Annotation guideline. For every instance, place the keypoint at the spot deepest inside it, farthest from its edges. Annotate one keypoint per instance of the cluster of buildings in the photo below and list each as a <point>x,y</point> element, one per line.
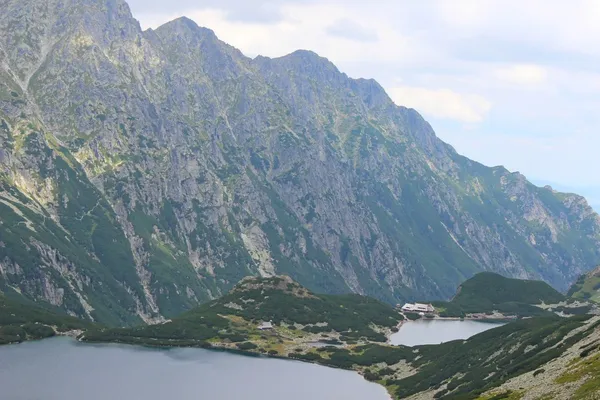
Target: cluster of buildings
<point>418,308</point>
<point>265,326</point>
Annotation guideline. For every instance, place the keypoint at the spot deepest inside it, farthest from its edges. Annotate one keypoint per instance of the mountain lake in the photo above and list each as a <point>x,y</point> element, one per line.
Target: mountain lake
<point>64,369</point>
<point>420,332</point>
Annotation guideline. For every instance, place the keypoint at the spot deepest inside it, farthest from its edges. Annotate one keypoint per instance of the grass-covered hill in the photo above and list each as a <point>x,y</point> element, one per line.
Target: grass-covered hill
<point>20,321</point>
<point>587,287</point>
<point>487,292</point>
<point>292,309</point>
<point>496,289</point>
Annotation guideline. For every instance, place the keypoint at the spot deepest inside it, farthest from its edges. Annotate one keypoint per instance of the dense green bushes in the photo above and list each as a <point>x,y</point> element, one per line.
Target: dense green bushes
<point>246,346</point>
<point>488,292</point>
<point>582,310</point>
<point>184,329</point>
<point>484,362</point>
<point>350,315</point>
<point>21,321</point>
<point>488,288</point>
<point>365,355</point>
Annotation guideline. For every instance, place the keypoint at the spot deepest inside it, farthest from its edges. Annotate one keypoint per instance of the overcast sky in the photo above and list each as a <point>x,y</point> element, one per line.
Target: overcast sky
<point>511,82</point>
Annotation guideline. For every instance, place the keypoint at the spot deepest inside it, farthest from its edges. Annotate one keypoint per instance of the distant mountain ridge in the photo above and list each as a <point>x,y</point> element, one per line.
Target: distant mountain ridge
<point>145,172</point>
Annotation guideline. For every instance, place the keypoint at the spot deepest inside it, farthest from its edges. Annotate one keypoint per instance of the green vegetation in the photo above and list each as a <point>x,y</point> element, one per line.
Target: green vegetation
<point>587,287</point>
<point>87,239</point>
<point>412,316</point>
<point>487,292</point>
<point>496,289</point>
<point>353,328</point>
<point>280,300</point>
<point>20,321</point>
<point>415,226</point>
<point>364,356</point>
<point>508,395</point>
<point>485,361</point>
<point>586,370</point>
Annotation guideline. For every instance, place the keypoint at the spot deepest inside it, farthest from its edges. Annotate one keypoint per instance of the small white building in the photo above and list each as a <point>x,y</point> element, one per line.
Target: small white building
<point>265,326</point>
<point>418,308</point>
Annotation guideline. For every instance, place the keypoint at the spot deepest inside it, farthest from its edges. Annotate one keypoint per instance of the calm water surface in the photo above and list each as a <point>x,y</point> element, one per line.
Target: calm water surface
<point>420,332</point>
<point>62,369</point>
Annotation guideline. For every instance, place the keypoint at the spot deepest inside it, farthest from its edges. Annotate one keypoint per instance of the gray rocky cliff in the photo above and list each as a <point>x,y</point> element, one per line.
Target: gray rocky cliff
<point>144,172</point>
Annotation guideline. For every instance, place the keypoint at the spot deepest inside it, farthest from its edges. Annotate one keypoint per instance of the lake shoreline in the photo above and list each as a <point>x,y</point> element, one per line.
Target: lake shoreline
<point>292,356</point>
<point>235,351</point>
<point>230,348</point>
<point>429,331</point>
<point>496,320</point>
<point>179,358</point>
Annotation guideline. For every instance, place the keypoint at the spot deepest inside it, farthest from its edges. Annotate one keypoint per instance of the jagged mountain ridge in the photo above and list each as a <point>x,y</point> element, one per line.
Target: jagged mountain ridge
<point>143,172</point>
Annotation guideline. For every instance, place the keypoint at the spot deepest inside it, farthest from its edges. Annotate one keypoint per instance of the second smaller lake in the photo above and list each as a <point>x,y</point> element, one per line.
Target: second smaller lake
<point>415,333</point>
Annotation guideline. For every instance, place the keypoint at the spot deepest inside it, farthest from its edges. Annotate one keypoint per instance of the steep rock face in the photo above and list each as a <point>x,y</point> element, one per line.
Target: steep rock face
<point>144,172</point>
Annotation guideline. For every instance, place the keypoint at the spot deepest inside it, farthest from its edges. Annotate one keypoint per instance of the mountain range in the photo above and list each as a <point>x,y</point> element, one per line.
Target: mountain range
<point>145,172</point>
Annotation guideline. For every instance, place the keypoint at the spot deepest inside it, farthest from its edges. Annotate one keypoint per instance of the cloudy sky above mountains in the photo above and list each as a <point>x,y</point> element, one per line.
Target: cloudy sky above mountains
<point>505,82</point>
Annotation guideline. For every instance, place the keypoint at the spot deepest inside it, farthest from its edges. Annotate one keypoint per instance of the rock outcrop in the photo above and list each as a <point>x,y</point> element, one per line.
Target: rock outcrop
<point>143,172</point>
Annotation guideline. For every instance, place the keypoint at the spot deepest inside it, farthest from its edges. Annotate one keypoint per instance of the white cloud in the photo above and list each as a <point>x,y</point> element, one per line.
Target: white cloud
<point>466,14</point>
<point>522,74</point>
<point>352,30</point>
<point>442,103</point>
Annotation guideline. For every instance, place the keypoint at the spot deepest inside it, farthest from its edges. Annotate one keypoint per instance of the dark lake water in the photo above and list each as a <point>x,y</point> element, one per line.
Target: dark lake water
<point>62,369</point>
<point>420,332</point>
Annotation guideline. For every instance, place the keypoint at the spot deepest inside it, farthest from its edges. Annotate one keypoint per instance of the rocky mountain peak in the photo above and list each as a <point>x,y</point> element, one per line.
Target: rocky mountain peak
<point>186,26</point>
<point>145,172</point>
<point>184,42</point>
<point>307,59</point>
<point>371,92</point>
<point>306,64</point>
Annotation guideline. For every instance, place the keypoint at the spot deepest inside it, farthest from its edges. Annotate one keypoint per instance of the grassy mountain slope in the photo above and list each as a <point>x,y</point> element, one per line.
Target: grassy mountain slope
<point>587,287</point>
<point>491,288</point>
<point>574,375</point>
<point>468,369</point>
<point>487,292</point>
<point>21,320</point>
